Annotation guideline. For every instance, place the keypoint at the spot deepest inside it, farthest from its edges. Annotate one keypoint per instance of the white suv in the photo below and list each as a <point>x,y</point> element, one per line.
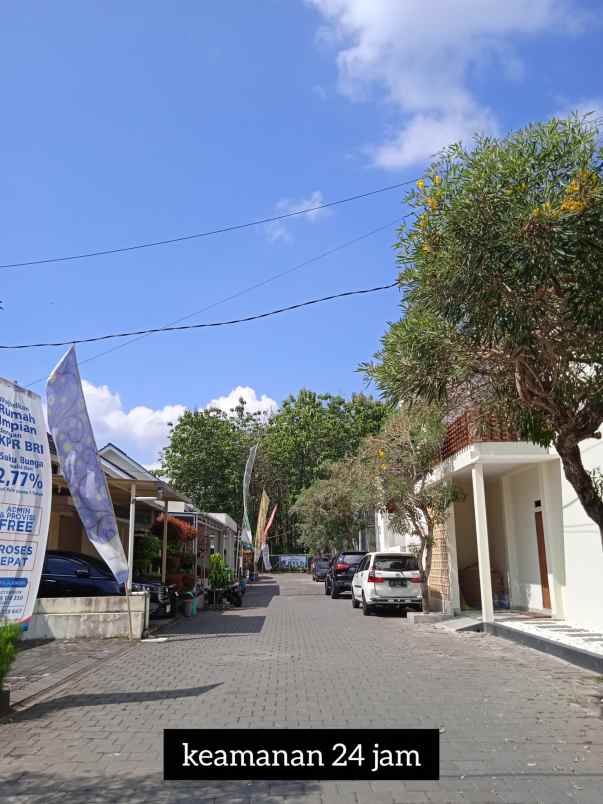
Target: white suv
<point>387,579</point>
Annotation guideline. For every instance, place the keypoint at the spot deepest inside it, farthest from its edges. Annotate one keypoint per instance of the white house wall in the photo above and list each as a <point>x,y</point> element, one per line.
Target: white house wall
<point>387,538</point>
<point>496,528</point>
<point>464,521</point>
<point>524,487</point>
<point>583,553</point>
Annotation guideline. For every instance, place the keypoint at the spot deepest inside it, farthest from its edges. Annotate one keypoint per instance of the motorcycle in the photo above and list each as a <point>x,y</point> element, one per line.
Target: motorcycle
<point>233,595</point>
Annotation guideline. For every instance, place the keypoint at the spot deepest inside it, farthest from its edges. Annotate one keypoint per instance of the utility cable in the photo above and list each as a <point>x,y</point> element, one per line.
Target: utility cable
<point>183,327</point>
<point>208,233</point>
<point>243,291</point>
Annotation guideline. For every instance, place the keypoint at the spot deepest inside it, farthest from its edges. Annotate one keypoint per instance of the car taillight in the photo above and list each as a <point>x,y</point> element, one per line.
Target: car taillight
<point>375,578</point>
<point>341,567</point>
<point>415,579</point>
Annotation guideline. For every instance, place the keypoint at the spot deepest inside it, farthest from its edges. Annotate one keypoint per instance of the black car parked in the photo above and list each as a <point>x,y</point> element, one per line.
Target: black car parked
<point>68,574</point>
<point>341,571</point>
<point>319,569</point>
<point>163,599</point>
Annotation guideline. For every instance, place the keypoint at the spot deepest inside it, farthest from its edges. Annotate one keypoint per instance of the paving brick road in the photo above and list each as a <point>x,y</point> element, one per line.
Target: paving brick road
<point>517,726</point>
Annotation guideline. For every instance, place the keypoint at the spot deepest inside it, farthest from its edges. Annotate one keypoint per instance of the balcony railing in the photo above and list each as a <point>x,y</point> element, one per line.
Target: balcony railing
<point>472,427</point>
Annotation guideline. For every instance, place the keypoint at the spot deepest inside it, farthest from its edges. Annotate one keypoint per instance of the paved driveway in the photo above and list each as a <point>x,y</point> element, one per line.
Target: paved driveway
<point>517,726</point>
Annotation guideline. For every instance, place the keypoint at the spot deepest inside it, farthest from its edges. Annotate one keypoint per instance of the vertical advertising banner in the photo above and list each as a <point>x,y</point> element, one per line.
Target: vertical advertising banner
<point>246,537</point>
<point>261,524</point>
<point>70,426</point>
<point>25,498</point>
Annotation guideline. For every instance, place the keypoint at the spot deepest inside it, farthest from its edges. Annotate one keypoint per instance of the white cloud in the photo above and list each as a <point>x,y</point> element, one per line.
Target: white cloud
<point>279,230</point>
<point>141,431</point>
<point>419,57</point>
<point>589,106</point>
<point>253,403</point>
<point>425,135</point>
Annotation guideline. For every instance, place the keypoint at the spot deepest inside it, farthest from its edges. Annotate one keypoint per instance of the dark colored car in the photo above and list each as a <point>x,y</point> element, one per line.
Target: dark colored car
<point>163,599</point>
<point>319,569</point>
<point>341,571</point>
<point>67,574</point>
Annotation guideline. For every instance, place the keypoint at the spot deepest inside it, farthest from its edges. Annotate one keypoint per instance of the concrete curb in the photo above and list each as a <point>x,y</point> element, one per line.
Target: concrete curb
<point>578,656</point>
<point>427,618</point>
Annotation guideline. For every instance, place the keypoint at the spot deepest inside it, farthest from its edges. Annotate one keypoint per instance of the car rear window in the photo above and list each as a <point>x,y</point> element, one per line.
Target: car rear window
<point>395,563</point>
<point>352,558</point>
<point>322,563</point>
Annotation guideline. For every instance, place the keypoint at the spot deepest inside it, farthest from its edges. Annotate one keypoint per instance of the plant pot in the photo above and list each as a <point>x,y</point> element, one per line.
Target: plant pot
<point>4,702</point>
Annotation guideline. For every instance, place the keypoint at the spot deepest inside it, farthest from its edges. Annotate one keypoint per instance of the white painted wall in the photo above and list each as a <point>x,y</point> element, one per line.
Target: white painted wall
<point>387,539</point>
<point>583,554</point>
<point>464,519</point>
<point>89,617</point>
<point>496,526</point>
<point>524,487</point>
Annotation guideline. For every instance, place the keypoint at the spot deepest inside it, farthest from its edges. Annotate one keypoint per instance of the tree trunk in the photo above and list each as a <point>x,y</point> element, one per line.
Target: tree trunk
<point>424,560</point>
<point>580,479</point>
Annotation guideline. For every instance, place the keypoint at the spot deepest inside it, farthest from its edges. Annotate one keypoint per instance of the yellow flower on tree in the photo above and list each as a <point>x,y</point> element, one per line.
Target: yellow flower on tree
<point>421,184</point>
<point>432,203</point>
<point>437,180</point>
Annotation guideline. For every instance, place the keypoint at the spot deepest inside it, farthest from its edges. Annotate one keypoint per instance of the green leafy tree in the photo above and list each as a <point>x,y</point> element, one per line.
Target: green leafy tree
<point>330,512</point>
<point>502,280</point>
<point>206,456</point>
<point>307,433</point>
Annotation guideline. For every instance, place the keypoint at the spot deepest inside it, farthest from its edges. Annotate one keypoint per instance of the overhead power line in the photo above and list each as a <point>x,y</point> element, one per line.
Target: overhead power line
<point>316,258</point>
<point>183,327</point>
<point>208,233</point>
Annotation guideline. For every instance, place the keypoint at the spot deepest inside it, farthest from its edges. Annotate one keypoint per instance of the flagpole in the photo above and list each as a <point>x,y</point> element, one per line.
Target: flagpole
<point>131,527</point>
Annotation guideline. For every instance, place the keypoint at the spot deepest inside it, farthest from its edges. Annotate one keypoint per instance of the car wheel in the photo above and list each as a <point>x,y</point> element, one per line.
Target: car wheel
<point>326,588</point>
<point>355,603</point>
<point>366,609</point>
<point>334,592</point>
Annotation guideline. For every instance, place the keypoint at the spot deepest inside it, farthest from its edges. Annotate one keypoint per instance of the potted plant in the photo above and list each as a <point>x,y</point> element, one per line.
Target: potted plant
<point>220,576</point>
<point>9,636</point>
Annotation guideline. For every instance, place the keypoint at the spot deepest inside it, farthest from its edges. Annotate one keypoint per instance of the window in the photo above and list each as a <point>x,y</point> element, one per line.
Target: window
<point>394,563</point>
<point>351,558</point>
<point>59,566</point>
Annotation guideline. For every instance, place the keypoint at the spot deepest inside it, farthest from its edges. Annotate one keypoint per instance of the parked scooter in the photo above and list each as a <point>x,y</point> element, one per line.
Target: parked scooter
<point>233,595</point>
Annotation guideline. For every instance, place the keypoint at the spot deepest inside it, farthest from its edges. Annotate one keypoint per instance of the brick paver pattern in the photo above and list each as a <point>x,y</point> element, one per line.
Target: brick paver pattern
<point>516,725</point>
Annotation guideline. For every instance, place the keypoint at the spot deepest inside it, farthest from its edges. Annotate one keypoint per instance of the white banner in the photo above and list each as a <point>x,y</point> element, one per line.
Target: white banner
<point>246,535</point>
<point>72,432</point>
<point>266,557</point>
<point>25,499</point>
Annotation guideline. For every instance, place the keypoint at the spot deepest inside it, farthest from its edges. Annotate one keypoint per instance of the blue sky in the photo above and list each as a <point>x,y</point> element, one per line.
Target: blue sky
<point>126,122</point>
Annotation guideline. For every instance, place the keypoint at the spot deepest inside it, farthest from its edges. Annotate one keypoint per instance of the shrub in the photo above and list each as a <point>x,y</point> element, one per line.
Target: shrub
<point>219,574</point>
<point>9,636</point>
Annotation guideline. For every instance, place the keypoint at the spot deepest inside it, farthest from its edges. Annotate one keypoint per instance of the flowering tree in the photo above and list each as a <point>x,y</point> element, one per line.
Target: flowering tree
<point>503,284</point>
<point>402,458</point>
